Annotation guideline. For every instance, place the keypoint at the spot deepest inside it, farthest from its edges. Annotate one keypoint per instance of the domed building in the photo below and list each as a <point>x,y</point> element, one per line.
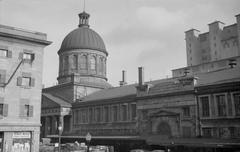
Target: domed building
<point>82,59</point>
<point>82,71</point>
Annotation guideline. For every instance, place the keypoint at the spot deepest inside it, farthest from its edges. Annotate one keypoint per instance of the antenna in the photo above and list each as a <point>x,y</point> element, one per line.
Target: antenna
<point>84,5</point>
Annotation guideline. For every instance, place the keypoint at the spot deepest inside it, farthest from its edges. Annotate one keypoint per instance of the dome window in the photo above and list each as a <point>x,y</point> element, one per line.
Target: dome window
<point>83,62</point>
<point>93,63</point>
<point>75,62</point>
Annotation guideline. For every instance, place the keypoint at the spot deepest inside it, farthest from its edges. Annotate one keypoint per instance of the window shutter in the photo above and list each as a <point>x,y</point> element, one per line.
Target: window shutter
<point>21,111</point>
<point>20,56</point>
<point>30,111</point>
<point>5,110</point>
<point>32,57</point>
<point>9,54</point>
<point>19,81</point>
<point>32,82</point>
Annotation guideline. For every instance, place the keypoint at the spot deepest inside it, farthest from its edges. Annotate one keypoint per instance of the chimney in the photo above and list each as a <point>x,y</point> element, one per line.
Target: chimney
<point>123,82</point>
<point>140,76</point>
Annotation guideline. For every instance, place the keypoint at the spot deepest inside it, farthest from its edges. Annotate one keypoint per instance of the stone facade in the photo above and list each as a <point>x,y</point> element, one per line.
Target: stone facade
<point>21,65</point>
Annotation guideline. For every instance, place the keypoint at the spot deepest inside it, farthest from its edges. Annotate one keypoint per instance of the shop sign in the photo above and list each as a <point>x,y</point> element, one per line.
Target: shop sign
<point>18,135</point>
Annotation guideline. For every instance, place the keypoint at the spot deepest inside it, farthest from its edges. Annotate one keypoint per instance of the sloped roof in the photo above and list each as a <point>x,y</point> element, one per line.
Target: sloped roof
<point>110,93</point>
<point>56,100</point>
<point>217,77</point>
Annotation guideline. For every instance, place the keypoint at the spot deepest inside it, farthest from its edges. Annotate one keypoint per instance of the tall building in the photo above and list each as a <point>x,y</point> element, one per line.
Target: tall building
<point>212,50</point>
<point>219,43</point>
<point>21,63</point>
<point>82,71</point>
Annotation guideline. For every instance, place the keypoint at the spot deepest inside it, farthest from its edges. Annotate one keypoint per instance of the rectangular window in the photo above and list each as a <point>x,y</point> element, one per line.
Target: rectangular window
<point>98,114</point>
<point>221,105</point>
<point>236,100</point>
<point>133,111</point>
<point>1,109</point>
<point>26,81</point>
<point>204,101</point>
<point>26,57</point>
<point>90,115</point>
<point>27,110</point>
<point>106,114</point>
<point>3,53</point>
<point>124,112</point>
<point>115,113</point>
<point>186,111</point>
<point>207,132</point>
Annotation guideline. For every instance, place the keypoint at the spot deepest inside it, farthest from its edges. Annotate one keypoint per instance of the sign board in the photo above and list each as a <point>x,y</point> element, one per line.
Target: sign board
<point>18,135</point>
<point>88,136</point>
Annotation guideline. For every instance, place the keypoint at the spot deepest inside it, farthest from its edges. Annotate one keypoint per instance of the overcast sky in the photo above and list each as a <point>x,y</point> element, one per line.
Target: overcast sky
<point>148,33</point>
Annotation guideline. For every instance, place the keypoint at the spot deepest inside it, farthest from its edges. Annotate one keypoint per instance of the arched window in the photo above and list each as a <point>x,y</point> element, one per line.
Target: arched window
<point>75,62</point>
<point>93,63</point>
<point>65,63</point>
<point>83,62</point>
<point>101,66</point>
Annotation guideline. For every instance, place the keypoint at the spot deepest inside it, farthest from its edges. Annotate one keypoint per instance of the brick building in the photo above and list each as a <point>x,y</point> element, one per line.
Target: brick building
<point>21,62</point>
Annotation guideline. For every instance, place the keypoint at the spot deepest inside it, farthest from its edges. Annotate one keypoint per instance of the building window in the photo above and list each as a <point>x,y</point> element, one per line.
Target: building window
<point>221,105</point>
<point>133,111</point>
<point>84,116</point>
<point>207,132</point>
<point>236,100</point>
<point>98,114</point>
<point>83,62</point>
<point>106,114</point>
<point>3,53</point>
<point>101,66</point>
<point>124,112</point>
<point>27,57</point>
<point>75,62</point>
<point>93,63</point>
<point>25,81</point>
<point>115,113</point>
<point>204,101</point>
<point>3,109</point>
<point>26,110</point>
<point>186,111</point>
<point>223,132</point>
<point>65,63</point>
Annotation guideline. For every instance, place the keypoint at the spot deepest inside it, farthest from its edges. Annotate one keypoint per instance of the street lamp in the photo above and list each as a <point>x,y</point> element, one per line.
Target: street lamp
<point>59,137</point>
<point>88,139</point>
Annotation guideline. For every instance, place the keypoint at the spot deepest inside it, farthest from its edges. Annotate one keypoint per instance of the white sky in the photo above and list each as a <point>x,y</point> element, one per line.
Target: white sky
<point>148,33</point>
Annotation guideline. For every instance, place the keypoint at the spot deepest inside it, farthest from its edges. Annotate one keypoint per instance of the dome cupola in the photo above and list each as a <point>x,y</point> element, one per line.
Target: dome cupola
<point>83,56</point>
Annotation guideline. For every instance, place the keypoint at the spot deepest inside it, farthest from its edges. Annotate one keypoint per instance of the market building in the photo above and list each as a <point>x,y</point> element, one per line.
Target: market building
<point>165,113</point>
<point>21,62</point>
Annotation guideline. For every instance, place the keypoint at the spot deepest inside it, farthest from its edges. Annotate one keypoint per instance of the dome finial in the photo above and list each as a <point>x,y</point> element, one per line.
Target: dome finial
<point>83,17</point>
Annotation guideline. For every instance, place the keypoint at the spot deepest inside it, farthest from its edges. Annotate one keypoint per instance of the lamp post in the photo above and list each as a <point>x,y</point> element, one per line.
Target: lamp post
<point>88,139</point>
<point>59,137</point>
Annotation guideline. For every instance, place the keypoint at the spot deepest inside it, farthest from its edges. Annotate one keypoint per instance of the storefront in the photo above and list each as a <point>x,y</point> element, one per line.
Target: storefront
<point>21,142</point>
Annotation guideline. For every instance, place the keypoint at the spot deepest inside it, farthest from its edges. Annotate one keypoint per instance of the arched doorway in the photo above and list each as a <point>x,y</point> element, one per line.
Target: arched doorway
<point>164,129</point>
